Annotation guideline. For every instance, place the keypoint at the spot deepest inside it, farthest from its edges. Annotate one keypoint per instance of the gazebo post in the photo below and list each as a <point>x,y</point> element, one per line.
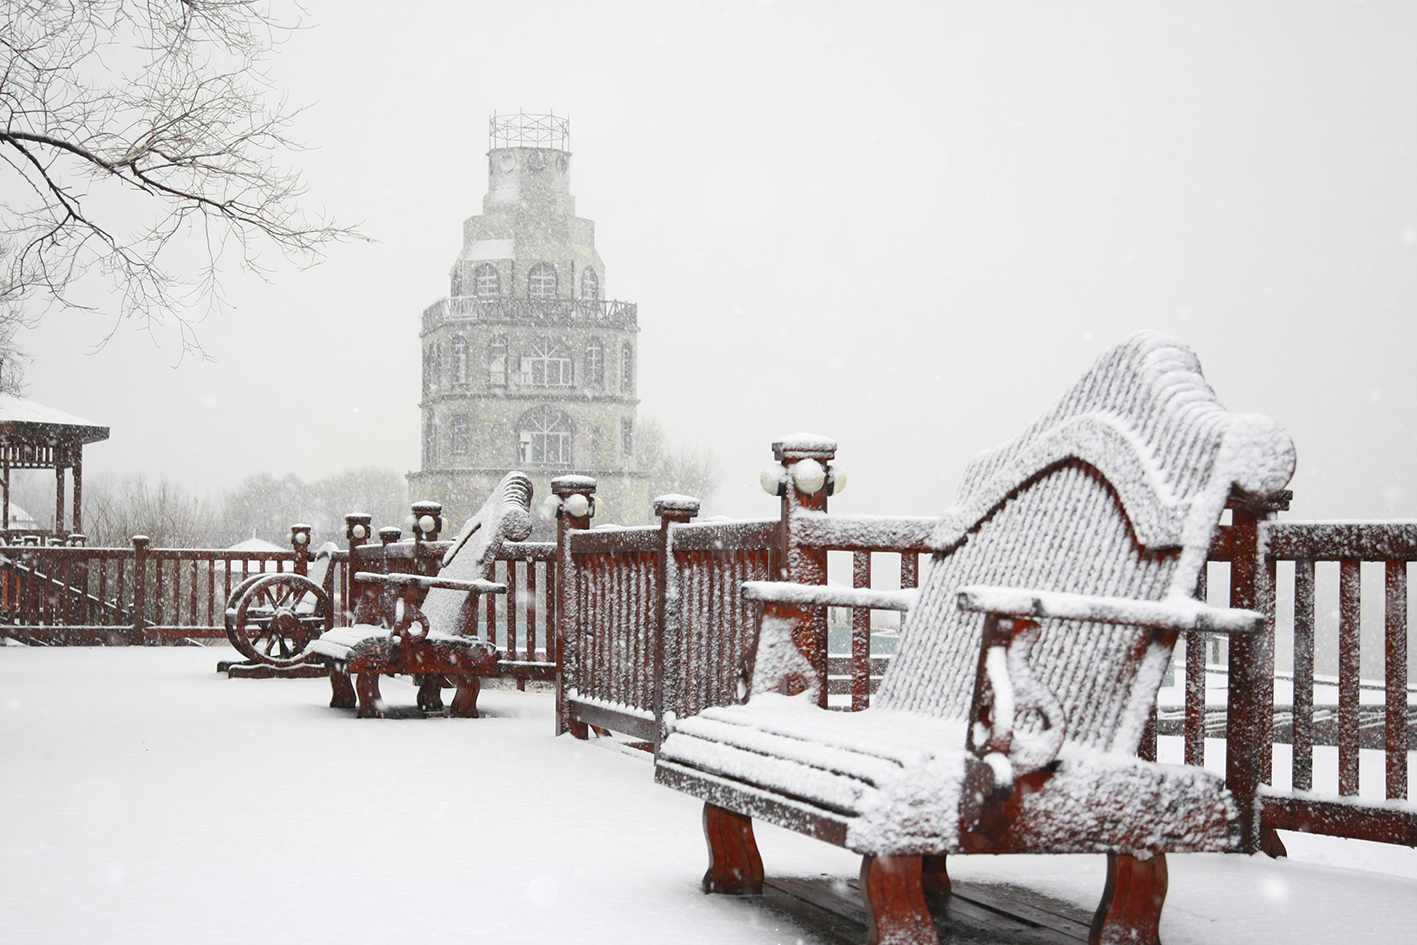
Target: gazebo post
<point>7,490</point>
<point>58,490</point>
<point>78,473</point>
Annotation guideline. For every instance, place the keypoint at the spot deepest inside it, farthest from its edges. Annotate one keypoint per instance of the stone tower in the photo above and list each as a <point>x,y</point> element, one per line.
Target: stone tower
<point>525,364</point>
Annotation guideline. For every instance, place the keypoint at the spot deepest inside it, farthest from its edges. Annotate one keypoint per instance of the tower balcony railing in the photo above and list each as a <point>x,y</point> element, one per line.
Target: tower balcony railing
<point>609,313</point>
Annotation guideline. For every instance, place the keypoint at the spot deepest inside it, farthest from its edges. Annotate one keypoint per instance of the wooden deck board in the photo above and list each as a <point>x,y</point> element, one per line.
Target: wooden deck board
<point>975,913</point>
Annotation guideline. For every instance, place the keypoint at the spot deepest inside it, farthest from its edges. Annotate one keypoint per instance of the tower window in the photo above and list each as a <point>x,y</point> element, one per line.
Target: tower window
<point>486,283</point>
<point>627,368</point>
<point>430,443</point>
<point>432,368</point>
<point>497,362</point>
<point>546,363</point>
<point>457,280</point>
<point>459,361</point>
<point>457,434</point>
<point>627,436</point>
<point>595,363</point>
<point>590,285</point>
<point>541,281</point>
<point>545,438</point>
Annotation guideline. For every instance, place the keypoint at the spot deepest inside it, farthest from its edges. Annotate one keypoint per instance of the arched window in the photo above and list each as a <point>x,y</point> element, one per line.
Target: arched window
<point>545,438</point>
<point>595,363</point>
<point>497,362</point>
<point>541,281</point>
<point>546,363</point>
<point>486,283</point>
<point>432,368</point>
<point>457,435</point>
<point>430,443</point>
<point>627,368</point>
<point>459,361</point>
<point>590,284</point>
<point>457,287</point>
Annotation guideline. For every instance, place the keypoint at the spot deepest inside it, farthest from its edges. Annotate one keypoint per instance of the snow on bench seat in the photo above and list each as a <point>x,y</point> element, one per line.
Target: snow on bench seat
<point>891,782</point>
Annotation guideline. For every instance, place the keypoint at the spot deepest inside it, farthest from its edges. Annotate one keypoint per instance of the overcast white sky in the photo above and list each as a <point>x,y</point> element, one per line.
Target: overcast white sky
<point>909,227</point>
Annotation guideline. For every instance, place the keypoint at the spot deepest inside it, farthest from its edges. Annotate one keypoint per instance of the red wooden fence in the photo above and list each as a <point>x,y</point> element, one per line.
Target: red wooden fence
<point>58,595</point>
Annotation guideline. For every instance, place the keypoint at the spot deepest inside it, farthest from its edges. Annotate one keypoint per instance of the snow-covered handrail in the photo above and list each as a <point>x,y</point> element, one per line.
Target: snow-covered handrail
<point>1179,614</point>
<point>863,532</point>
<point>424,581</point>
<point>784,592</point>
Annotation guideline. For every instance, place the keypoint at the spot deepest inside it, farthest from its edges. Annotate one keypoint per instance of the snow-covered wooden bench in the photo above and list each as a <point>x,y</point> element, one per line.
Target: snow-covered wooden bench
<point>1009,720</point>
<point>434,637</point>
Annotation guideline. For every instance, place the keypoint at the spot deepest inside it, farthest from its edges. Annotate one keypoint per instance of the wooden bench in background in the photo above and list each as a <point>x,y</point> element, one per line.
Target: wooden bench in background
<point>426,625</point>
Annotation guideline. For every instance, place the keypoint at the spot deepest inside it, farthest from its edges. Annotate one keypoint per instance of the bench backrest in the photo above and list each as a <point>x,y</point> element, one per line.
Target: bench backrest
<point>505,516</point>
<point>1118,491</point>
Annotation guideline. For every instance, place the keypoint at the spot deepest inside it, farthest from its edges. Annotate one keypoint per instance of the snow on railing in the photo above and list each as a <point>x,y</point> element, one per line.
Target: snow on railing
<point>77,594</point>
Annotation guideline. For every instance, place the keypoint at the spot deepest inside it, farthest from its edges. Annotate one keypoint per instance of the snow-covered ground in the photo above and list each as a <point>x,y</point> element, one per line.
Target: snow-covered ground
<point>144,798</point>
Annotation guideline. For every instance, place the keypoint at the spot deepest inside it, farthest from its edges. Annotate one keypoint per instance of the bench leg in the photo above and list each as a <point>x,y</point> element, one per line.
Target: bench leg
<point>735,868</point>
<point>465,699</point>
<point>896,913</point>
<point>430,694</point>
<point>371,704</point>
<point>341,688</point>
<point>934,879</point>
<point>1130,910</point>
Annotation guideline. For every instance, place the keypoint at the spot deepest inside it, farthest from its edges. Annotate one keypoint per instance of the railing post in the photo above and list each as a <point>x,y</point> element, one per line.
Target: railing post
<point>804,485</point>
<point>1249,725</point>
<point>357,531</point>
<point>300,544</point>
<point>425,522</point>
<point>140,587</point>
<point>671,510</point>
<point>573,513</point>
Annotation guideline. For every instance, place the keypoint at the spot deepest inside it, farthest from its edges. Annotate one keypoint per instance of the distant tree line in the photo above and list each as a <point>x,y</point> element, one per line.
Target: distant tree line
<point>261,506</point>
<point>173,515</point>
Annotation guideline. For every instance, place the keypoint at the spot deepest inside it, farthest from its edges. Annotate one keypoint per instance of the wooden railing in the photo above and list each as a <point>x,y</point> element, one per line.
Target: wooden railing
<point>1386,547</point>
<point>57,595</point>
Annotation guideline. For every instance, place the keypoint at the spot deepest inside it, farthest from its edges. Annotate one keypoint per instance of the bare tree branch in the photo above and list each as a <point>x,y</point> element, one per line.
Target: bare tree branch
<point>113,111</point>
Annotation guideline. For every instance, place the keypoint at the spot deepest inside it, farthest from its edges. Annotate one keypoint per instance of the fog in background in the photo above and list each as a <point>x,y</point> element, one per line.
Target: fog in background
<point>909,227</point>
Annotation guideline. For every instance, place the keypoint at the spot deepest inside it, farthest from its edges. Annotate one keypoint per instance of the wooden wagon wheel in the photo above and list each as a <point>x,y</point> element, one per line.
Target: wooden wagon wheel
<point>271,618</point>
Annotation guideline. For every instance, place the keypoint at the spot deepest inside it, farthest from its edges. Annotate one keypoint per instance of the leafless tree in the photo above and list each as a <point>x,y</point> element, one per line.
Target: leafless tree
<point>265,506</point>
<point>673,468</point>
<point>158,111</point>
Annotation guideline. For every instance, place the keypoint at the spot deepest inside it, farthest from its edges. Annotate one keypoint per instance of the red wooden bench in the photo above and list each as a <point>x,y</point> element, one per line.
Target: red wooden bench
<point>1009,720</point>
<point>424,625</point>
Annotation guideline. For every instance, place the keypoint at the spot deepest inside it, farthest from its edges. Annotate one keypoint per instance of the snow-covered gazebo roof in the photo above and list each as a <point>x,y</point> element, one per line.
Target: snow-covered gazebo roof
<point>22,419</point>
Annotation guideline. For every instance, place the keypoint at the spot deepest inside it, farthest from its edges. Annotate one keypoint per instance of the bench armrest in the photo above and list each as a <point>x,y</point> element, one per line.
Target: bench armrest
<point>419,580</point>
<point>784,592</point>
<point>1180,614</point>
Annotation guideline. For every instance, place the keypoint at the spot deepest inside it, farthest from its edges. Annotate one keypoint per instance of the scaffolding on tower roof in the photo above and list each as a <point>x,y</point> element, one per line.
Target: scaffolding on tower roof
<point>525,130</point>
